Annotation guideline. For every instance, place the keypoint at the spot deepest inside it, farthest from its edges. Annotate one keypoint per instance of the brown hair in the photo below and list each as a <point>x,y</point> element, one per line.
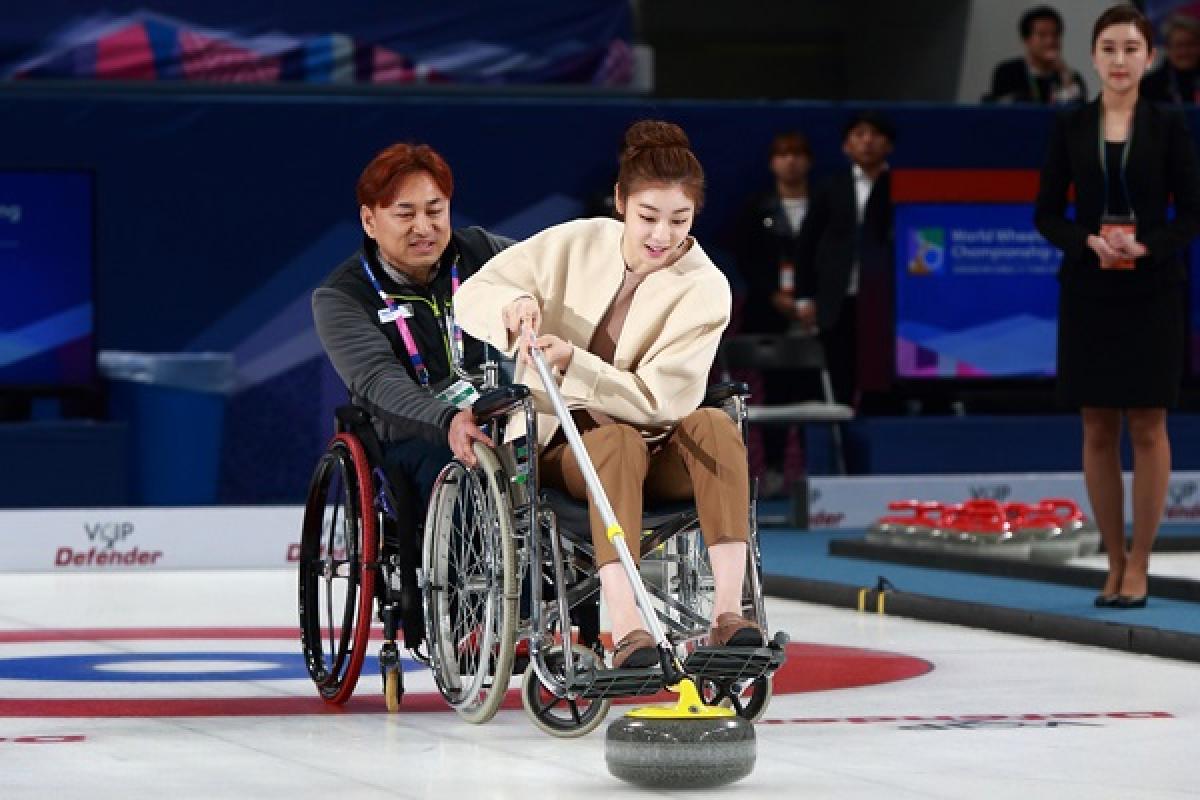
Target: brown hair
<point>791,142</point>
<point>1124,15</point>
<point>379,182</point>
<point>1025,26</point>
<point>659,152</point>
<point>1180,22</point>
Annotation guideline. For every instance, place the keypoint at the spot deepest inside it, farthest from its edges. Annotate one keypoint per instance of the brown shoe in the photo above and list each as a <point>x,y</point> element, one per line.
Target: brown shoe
<point>635,650</point>
<point>733,630</point>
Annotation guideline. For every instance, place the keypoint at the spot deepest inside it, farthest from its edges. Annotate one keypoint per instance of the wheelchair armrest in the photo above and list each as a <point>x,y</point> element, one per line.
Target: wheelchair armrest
<point>499,402</point>
<point>356,421</point>
<point>350,417</point>
<point>718,393</point>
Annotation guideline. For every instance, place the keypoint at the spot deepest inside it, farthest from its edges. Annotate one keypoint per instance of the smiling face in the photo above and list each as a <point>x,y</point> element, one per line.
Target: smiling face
<point>658,219</point>
<point>414,230</point>
<point>1120,57</point>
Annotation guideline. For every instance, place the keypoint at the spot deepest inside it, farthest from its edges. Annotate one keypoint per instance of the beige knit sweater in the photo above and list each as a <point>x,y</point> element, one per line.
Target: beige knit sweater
<point>661,365</point>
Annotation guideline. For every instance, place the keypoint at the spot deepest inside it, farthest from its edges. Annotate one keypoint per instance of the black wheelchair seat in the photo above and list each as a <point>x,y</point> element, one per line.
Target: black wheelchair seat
<point>574,524</point>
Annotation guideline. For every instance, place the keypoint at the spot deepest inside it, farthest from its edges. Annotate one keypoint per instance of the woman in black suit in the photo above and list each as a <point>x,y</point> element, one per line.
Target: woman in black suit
<point>1121,307</point>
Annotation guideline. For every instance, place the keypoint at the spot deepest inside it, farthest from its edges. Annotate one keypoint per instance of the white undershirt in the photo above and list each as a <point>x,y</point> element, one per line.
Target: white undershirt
<point>862,192</point>
<point>795,208</point>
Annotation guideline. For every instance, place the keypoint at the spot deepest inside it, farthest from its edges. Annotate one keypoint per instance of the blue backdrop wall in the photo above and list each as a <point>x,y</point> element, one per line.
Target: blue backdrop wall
<point>217,214</point>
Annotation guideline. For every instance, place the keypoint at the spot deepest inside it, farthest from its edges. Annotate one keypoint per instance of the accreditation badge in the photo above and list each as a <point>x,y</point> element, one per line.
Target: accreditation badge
<point>387,315</point>
<point>1110,224</point>
<point>460,394</point>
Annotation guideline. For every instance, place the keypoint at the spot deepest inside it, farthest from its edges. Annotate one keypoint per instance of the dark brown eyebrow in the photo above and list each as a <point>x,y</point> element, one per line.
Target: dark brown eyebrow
<point>1127,40</point>
<point>649,207</point>
<point>414,205</point>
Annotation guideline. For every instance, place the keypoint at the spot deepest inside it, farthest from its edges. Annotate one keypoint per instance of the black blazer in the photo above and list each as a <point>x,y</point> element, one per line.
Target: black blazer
<point>830,238</point>
<point>1011,83</point>
<point>1168,85</point>
<point>762,240</point>
<point>1161,164</point>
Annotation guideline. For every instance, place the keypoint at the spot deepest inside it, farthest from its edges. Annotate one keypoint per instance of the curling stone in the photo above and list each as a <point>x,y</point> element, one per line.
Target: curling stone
<point>690,745</point>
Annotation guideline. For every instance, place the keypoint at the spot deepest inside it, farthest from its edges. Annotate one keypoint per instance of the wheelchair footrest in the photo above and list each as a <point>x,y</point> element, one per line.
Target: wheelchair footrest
<point>595,684</point>
<point>733,663</point>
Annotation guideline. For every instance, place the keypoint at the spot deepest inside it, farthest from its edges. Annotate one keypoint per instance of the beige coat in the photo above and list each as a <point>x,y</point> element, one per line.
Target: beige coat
<point>666,349</point>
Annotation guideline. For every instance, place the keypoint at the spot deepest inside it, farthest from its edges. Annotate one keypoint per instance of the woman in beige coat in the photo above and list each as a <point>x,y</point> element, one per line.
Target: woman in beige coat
<point>629,315</point>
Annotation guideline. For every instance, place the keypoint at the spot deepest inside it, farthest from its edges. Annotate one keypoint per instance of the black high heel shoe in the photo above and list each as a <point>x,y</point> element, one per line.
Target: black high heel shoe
<point>1129,601</point>
<point>1106,600</point>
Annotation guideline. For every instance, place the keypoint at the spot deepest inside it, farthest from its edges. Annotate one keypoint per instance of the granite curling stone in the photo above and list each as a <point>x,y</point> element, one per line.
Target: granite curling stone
<point>680,753</point>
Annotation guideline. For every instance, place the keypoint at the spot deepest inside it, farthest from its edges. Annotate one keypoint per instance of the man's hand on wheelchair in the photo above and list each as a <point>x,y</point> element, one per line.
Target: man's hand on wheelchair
<point>464,431</point>
<point>522,312</point>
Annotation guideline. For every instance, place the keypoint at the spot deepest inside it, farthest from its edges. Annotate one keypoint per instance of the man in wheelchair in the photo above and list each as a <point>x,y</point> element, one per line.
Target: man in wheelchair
<point>630,313</point>
<point>385,314</point>
<point>385,317</point>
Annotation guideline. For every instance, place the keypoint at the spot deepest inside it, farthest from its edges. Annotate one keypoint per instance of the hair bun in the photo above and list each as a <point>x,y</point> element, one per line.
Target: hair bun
<point>659,153</point>
<point>650,133</point>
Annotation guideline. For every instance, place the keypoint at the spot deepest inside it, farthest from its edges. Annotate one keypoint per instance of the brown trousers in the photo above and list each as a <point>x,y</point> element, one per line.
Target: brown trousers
<point>704,457</point>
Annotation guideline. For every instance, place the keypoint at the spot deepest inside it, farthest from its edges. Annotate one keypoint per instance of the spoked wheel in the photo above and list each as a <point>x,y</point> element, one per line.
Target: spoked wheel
<point>338,547</point>
<point>471,586</point>
<point>561,716</point>
<point>748,699</point>
<point>695,586</point>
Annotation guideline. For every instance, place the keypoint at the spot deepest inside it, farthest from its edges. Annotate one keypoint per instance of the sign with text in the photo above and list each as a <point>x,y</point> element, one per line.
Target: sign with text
<point>976,292</point>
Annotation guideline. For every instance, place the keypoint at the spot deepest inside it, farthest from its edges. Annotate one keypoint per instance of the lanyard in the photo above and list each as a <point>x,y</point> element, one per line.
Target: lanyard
<point>451,323</point>
<point>1035,88</point>
<point>394,313</point>
<point>1124,161</point>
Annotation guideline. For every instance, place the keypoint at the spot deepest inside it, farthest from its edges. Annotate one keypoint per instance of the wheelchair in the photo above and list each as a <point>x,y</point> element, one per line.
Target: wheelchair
<point>505,582</point>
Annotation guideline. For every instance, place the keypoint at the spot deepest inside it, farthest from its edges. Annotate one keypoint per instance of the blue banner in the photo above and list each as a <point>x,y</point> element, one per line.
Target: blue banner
<point>1159,10</point>
<point>46,266</point>
<point>976,292</point>
<point>473,42</point>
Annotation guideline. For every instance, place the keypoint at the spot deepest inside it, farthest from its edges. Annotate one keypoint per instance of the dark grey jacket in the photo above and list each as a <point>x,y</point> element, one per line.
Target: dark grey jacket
<point>370,356</point>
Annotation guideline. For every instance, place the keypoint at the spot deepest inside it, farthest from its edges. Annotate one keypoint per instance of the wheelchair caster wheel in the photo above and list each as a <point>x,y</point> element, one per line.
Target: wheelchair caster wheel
<point>393,675</point>
<point>748,699</point>
<point>393,690</point>
<point>563,717</point>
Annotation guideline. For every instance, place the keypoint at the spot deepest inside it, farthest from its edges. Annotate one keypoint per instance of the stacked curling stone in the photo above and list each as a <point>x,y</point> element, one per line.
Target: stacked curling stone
<point>915,524</point>
<point>1053,530</point>
<point>981,528</point>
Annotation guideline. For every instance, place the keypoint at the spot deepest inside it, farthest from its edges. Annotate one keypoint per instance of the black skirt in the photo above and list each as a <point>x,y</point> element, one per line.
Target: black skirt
<point>1121,351</point>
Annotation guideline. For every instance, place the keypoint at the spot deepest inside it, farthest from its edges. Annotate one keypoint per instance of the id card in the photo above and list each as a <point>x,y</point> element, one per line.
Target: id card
<point>1109,225</point>
<point>460,394</point>
<point>387,315</point>
<point>787,277</point>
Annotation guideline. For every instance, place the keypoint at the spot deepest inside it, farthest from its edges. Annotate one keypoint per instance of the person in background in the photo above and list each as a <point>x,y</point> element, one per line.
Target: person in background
<point>1121,304</point>
<point>767,235</point>
<point>1041,75</point>
<point>765,243</point>
<point>1175,80</point>
<point>846,237</point>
